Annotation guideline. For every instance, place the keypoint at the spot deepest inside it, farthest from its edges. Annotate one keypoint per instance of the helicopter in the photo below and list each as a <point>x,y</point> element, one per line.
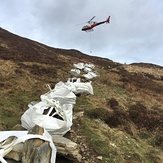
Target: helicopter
<point>92,24</point>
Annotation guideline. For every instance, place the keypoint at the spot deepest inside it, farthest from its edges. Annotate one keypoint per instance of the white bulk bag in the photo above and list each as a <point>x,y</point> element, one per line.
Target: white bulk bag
<point>79,65</point>
<point>87,69</point>
<point>46,114</point>
<point>92,66</point>
<point>90,75</point>
<point>61,93</point>
<point>80,87</point>
<point>74,72</point>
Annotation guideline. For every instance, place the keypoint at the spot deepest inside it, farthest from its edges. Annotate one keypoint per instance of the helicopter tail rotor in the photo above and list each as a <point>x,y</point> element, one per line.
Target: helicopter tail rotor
<point>108,20</point>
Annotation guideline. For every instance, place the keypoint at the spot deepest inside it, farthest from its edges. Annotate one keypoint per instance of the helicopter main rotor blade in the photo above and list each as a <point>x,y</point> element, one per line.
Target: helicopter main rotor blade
<point>86,22</point>
<point>91,19</point>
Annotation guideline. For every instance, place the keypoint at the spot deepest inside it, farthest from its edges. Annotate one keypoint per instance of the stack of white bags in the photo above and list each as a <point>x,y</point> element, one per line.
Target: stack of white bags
<point>55,110</point>
<point>86,68</point>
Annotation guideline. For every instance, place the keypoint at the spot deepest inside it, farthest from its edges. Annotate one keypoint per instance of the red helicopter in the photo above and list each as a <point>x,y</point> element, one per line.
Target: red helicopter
<point>92,24</point>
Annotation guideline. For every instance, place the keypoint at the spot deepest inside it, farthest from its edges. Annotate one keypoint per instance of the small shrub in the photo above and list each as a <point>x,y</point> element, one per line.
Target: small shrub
<point>118,117</point>
<point>153,156</point>
<point>111,118</point>
<point>138,114</point>
<point>98,113</point>
<point>145,118</point>
<point>144,134</point>
<point>159,140</point>
<point>113,103</point>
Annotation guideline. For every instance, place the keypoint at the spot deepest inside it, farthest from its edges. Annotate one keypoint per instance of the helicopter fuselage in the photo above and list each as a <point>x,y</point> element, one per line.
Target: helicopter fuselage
<point>91,25</point>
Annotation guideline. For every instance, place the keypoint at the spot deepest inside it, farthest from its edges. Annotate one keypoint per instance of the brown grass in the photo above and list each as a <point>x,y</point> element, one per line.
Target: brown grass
<point>128,99</point>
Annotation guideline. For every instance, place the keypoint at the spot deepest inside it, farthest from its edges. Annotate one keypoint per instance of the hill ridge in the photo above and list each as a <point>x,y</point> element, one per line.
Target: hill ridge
<point>124,117</point>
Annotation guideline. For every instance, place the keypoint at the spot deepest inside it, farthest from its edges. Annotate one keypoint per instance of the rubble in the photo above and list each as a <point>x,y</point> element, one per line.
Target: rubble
<point>39,151</point>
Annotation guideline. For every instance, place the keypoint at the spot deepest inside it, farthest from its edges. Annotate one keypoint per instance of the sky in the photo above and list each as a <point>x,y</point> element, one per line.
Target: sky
<point>134,34</point>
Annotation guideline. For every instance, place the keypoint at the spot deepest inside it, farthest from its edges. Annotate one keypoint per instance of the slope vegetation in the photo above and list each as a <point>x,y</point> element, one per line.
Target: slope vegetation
<point>122,122</point>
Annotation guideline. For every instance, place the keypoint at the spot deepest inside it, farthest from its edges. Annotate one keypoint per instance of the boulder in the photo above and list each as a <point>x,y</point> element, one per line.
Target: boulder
<point>36,150</point>
<point>16,153</point>
<point>67,148</point>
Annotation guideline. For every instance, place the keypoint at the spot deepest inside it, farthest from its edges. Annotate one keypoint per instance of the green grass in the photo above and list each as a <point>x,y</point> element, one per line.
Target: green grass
<point>117,146</point>
<point>82,102</point>
<point>13,106</point>
<point>110,129</point>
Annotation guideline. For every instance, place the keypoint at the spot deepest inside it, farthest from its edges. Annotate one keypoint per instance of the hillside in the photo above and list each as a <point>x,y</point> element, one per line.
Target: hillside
<point>121,122</point>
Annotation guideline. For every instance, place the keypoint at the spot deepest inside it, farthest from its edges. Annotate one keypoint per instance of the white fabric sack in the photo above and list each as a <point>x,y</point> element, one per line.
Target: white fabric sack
<point>57,120</point>
<point>74,72</point>
<point>90,75</point>
<point>92,66</point>
<point>87,69</point>
<point>72,80</point>
<point>80,87</point>
<point>79,66</point>
<point>61,93</point>
<point>22,136</point>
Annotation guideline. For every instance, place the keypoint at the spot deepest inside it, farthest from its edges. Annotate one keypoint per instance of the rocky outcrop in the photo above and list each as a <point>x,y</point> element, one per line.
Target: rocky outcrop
<point>66,148</point>
<point>39,151</point>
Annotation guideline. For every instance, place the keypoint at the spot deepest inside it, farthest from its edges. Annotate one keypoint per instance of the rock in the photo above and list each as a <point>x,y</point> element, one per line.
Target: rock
<point>34,148</point>
<point>99,158</point>
<point>12,161</point>
<point>78,115</point>
<point>16,153</point>
<point>37,130</point>
<point>66,148</point>
<point>43,153</point>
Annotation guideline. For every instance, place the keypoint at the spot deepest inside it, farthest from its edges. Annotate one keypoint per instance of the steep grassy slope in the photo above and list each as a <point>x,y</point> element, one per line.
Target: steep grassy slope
<point>122,122</point>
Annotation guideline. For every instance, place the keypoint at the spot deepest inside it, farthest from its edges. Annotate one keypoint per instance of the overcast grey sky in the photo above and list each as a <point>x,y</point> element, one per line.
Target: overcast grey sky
<point>135,32</point>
